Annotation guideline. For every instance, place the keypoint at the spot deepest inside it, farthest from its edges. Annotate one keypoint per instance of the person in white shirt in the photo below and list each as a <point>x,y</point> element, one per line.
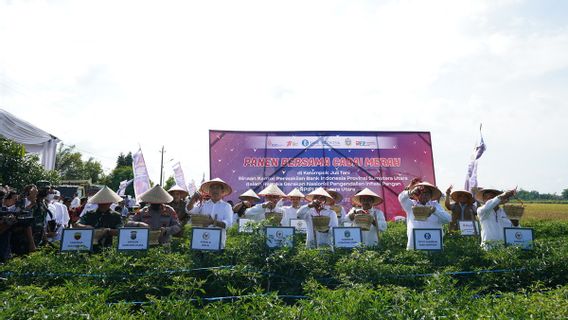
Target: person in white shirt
<point>248,199</point>
<point>220,212</point>
<point>272,194</point>
<point>76,202</point>
<point>367,199</point>
<point>492,217</point>
<point>291,212</point>
<point>316,208</point>
<point>60,215</point>
<point>418,194</point>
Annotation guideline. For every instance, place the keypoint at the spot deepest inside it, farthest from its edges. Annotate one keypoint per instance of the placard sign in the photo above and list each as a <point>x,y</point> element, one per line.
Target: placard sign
<point>521,237</point>
<point>77,240</point>
<point>206,239</point>
<point>278,237</point>
<point>469,228</point>
<point>428,239</point>
<point>300,225</point>
<point>347,237</point>
<point>133,239</point>
<point>244,225</point>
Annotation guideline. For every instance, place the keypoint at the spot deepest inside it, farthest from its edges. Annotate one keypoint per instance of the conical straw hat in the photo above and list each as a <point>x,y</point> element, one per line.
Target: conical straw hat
<point>318,192</point>
<point>296,193</point>
<point>227,190</point>
<point>367,192</point>
<point>249,194</point>
<point>105,195</point>
<point>454,195</point>
<point>156,195</point>
<point>272,190</point>
<point>480,193</point>
<point>179,189</point>
<point>436,193</point>
<point>335,195</point>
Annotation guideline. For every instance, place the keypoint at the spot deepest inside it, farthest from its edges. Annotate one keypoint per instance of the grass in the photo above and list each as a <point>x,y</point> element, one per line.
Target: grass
<point>545,211</point>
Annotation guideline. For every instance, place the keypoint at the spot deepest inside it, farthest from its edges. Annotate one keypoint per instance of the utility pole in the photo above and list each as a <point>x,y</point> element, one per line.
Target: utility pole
<point>162,167</point>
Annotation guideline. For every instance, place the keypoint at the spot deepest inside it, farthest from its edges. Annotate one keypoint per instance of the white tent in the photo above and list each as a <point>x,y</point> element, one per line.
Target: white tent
<point>34,139</point>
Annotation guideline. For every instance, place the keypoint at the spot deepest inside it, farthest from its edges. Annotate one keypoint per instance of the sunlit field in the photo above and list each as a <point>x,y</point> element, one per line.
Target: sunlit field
<point>545,211</point>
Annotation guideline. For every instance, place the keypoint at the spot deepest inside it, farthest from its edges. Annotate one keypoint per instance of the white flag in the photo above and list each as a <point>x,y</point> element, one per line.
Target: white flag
<point>178,176</point>
<point>141,178</point>
<point>471,178</point>
<point>191,187</point>
<point>123,185</point>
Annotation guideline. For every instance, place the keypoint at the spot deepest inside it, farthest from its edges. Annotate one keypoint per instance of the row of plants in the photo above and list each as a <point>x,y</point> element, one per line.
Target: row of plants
<point>441,297</point>
<point>247,265</point>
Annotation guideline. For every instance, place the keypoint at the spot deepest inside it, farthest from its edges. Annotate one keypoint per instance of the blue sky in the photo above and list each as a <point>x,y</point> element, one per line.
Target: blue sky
<point>110,75</point>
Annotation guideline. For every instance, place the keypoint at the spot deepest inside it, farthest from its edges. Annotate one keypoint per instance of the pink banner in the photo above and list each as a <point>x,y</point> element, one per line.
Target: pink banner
<point>141,179</point>
<point>345,161</point>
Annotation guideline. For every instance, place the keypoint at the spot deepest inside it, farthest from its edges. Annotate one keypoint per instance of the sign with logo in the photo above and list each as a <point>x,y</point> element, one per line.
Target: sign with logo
<point>77,240</point>
<point>245,225</point>
<point>278,237</point>
<point>469,228</point>
<point>206,239</point>
<point>300,225</point>
<point>521,237</point>
<point>133,239</point>
<point>347,237</point>
<point>428,239</point>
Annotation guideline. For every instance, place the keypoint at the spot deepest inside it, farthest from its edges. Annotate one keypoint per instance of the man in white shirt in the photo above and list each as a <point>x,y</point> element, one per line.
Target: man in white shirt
<point>492,217</point>
<point>76,201</point>
<point>291,212</point>
<point>367,199</point>
<point>316,208</point>
<point>248,199</point>
<point>220,212</point>
<point>60,215</point>
<point>419,194</point>
<point>272,194</point>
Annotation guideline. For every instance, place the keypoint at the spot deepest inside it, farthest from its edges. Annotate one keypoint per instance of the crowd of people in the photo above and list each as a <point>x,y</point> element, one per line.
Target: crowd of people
<point>38,215</point>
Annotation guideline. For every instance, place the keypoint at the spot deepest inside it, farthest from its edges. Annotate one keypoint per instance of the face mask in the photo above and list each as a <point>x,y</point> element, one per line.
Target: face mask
<point>50,197</point>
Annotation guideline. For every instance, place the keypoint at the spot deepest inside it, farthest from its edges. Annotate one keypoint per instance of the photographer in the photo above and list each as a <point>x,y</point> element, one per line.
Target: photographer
<point>7,220</point>
<point>21,239</point>
<point>44,224</point>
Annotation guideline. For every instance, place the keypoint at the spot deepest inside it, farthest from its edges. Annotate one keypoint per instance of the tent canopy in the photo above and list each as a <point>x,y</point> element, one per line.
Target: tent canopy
<point>34,139</point>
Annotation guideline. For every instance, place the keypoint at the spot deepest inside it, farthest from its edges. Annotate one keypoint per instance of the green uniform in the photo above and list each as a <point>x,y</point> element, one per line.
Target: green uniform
<point>110,219</point>
<point>96,219</point>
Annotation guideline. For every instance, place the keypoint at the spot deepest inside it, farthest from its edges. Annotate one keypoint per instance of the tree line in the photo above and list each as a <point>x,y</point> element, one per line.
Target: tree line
<point>18,169</point>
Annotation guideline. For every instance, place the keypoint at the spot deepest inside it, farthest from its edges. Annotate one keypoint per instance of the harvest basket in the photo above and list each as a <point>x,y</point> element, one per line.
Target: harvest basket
<point>514,211</point>
<point>363,221</point>
<point>199,220</point>
<point>154,237</point>
<point>321,223</point>
<point>421,213</point>
<point>274,217</point>
<point>98,234</point>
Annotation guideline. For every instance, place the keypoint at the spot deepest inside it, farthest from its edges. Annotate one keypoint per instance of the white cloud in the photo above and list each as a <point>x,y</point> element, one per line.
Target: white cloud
<point>107,75</point>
